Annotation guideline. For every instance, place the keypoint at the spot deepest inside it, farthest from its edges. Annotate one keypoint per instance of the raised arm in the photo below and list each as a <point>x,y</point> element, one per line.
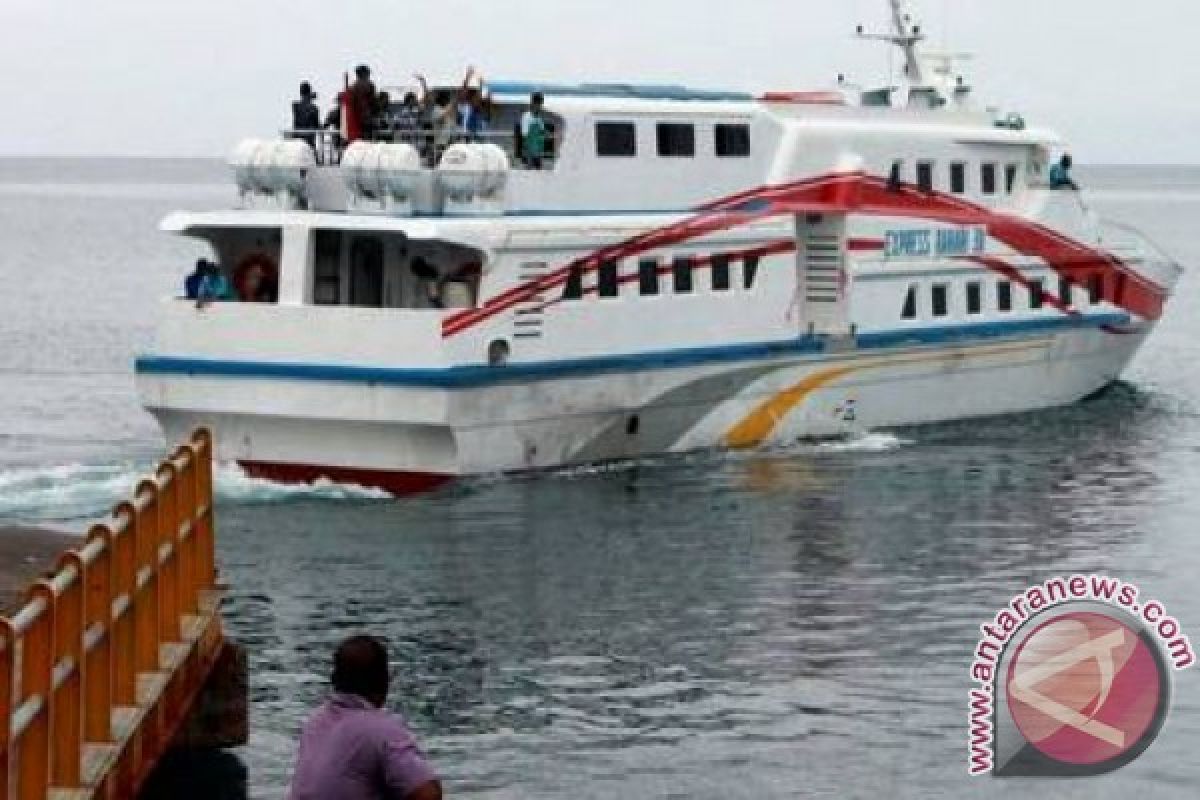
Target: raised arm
<point>466,84</point>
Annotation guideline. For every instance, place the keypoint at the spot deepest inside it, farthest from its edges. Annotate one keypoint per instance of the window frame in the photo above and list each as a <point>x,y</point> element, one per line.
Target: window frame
<point>1066,291</point>
<point>722,147</point>
<point>911,310</point>
<point>573,285</point>
<point>327,268</point>
<point>1004,296</point>
<point>719,266</point>
<point>610,125</point>
<point>649,280</point>
<point>1012,173</point>
<point>664,144</point>
<point>1037,294</point>
<point>958,177</point>
<point>683,266</point>
<point>939,291</point>
<point>750,267</point>
<point>974,293</point>
<point>926,174</point>
<point>608,279</point>
<point>988,178</point>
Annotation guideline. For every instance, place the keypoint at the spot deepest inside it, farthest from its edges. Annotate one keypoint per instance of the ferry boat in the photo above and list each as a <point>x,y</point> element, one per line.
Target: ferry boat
<point>687,269</point>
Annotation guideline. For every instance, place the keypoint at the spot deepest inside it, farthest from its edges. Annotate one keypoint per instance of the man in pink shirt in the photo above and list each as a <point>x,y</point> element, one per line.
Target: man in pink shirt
<point>352,749</point>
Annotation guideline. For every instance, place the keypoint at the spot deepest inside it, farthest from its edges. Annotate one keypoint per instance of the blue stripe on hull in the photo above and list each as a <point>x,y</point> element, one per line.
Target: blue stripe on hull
<point>473,376</point>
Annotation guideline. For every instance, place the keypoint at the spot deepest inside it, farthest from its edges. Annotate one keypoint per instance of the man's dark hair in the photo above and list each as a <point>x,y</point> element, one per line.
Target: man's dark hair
<point>537,99</point>
<point>362,71</point>
<point>360,667</point>
<point>1067,161</point>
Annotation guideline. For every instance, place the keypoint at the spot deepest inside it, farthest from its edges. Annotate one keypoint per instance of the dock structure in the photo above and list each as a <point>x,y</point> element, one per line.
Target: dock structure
<point>101,666</point>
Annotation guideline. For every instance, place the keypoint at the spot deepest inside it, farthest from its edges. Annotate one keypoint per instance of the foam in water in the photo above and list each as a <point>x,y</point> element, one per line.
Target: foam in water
<point>865,443</point>
<point>79,491</point>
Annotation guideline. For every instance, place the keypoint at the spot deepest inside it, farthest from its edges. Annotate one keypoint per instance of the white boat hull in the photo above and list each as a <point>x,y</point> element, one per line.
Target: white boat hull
<point>304,429</point>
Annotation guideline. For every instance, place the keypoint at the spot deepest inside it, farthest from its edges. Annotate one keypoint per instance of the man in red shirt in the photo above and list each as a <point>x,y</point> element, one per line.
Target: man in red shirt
<point>363,100</point>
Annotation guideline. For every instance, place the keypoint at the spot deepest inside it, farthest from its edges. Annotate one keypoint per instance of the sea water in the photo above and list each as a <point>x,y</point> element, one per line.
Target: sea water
<point>789,623</point>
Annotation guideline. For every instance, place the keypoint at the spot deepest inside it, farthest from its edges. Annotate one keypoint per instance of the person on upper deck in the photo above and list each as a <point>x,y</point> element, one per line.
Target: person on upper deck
<point>363,101</point>
<point>306,117</point>
<point>383,125</point>
<point>409,120</point>
<point>472,106</point>
<point>1060,174</point>
<point>352,748</point>
<point>534,132</point>
<point>439,118</point>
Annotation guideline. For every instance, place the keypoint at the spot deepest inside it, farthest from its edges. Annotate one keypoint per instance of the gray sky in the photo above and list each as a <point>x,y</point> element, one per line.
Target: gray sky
<point>1121,80</point>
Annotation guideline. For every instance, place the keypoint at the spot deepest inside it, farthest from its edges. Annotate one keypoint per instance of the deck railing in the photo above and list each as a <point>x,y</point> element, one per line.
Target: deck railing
<point>101,665</point>
<point>328,144</point>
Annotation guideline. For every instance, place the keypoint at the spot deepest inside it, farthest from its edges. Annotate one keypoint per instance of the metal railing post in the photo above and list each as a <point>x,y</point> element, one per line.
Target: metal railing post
<point>99,627</point>
<point>8,652</point>
<point>145,594</point>
<point>66,723</point>
<point>167,552</point>
<point>37,675</point>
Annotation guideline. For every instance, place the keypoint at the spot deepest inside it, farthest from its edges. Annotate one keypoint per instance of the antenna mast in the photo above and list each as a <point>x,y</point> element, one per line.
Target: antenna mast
<point>906,34</point>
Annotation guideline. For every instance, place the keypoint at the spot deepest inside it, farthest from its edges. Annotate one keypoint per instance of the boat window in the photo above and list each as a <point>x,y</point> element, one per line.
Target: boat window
<point>1004,295</point>
<point>910,303</point>
<point>720,273</point>
<point>940,298</point>
<point>1096,288</point>
<point>676,139</point>
<point>1037,293</point>
<point>988,175</point>
<point>327,268</point>
<point>925,176</point>
<point>1011,171</point>
<point>732,141</point>
<point>958,177</point>
<point>896,176</point>
<point>648,276</point>
<point>607,284</point>
<point>574,286</point>
<point>1064,291</point>
<point>974,297</point>
<point>749,271</point>
<point>616,139</point>
<point>681,273</point>
<point>366,273</point>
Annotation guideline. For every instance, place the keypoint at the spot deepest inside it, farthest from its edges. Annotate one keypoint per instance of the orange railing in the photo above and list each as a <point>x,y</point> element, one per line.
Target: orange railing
<point>100,667</point>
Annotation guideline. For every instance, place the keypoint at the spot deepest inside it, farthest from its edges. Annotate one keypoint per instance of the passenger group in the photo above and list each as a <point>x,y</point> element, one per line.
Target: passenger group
<point>430,120</point>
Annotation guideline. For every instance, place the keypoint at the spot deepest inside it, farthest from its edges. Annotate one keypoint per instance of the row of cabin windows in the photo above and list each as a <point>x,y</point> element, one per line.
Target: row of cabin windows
<point>940,296</point>
<point>650,275</point>
<point>989,174</point>
<point>674,140</point>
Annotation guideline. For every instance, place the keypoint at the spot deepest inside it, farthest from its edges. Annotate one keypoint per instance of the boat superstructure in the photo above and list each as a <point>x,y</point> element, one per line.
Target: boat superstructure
<point>687,269</point>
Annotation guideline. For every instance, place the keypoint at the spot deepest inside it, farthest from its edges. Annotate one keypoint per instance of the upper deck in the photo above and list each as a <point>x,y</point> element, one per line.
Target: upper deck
<point>622,148</point>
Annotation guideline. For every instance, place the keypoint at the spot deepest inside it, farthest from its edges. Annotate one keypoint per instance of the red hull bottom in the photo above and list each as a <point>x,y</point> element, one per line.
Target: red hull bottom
<point>392,482</point>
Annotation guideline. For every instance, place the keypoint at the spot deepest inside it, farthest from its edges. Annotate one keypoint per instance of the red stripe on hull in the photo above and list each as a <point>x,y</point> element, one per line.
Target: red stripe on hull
<point>861,194</point>
<point>390,481</point>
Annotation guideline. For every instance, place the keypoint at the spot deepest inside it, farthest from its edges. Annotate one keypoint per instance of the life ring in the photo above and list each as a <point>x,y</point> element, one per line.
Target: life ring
<point>241,277</point>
